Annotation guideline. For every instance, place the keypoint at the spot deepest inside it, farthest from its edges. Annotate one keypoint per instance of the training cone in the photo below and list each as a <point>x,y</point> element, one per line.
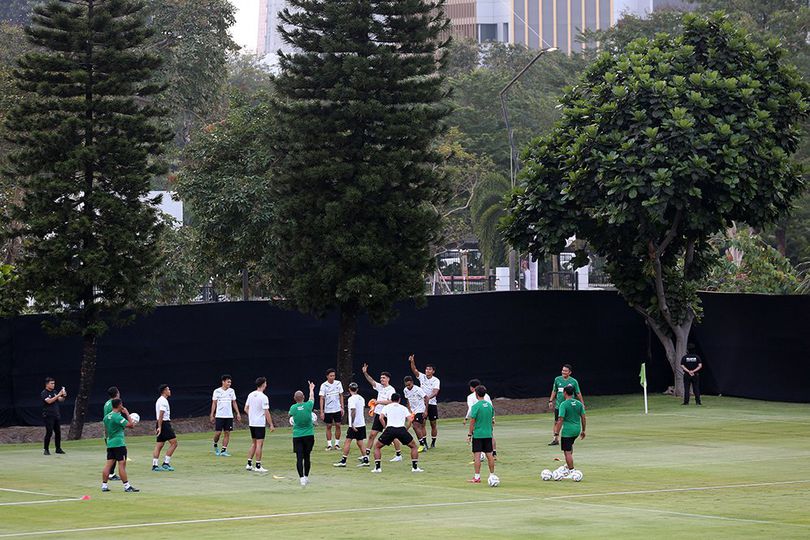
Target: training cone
<point>86,498</point>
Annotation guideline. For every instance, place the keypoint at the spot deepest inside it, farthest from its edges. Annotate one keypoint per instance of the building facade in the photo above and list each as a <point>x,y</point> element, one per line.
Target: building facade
<point>269,39</point>
<point>558,23</point>
<point>479,20</point>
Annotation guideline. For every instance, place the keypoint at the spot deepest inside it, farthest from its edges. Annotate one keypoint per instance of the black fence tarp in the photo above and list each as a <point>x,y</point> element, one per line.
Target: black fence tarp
<point>515,342</point>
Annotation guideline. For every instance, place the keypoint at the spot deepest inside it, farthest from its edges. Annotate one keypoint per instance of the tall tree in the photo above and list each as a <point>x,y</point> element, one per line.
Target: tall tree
<point>659,148</point>
<point>16,11</point>
<point>86,135</point>
<point>361,106</point>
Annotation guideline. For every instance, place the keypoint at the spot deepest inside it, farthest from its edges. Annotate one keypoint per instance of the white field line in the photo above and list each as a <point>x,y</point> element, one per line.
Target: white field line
<point>754,419</point>
<point>48,501</point>
<point>263,516</point>
<point>675,490</point>
<point>29,492</point>
<point>634,509</point>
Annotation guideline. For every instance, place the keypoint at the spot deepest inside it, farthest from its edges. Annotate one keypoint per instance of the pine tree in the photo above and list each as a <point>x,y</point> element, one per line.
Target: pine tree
<point>362,104</point>
<point>86,137</point>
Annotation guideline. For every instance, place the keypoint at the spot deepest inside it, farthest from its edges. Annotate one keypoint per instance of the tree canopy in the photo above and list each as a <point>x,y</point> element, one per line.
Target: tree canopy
<point>659,147</point>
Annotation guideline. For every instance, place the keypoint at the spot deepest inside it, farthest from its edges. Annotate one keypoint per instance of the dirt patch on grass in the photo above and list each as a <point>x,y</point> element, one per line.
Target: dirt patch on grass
<point>93,430</point>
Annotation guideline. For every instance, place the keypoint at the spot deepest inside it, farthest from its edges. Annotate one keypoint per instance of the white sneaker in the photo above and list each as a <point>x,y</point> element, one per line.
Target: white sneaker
<point>417,470</point>
<point>376,470</point>
<point>361,458</point>
<point>395,458</point>
<point>337,446</point>
<point>303,482</point>
<point>364,464</point>
<point>248,467</point>
<point>260,469</point>
<point>339,464</point>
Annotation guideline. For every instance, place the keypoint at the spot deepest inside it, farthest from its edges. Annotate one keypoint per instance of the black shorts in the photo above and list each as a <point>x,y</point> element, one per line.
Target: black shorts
<point>224,424</point>
<point>166,432</point>
<point>556,414</point>
<point>567,444</point>
<point>332,417</point>
<point>419,418</point>
<point>377,424</point>
<point>304,444</point>
<point>391,433</point>
<point>118,453</point>
<point>433,412</point>
<point>257,432</point>
<point>357,434</point>
<point>482,445</point>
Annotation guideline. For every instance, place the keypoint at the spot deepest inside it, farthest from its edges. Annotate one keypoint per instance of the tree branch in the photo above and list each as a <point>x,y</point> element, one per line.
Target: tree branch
<point>656,252</point>
<point>689,257</point>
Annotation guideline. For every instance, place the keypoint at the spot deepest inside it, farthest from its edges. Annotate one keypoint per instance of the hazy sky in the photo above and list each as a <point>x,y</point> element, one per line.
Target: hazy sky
<point>246,29</point>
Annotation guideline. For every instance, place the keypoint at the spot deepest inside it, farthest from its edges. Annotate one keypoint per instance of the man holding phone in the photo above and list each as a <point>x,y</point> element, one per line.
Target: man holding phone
<point>50,414</point>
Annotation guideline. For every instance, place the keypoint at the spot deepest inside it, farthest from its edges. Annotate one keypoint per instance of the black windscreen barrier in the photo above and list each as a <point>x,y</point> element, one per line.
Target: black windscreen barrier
<point>514,342</point>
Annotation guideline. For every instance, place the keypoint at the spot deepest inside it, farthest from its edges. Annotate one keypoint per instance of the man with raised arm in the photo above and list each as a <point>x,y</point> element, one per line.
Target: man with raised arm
<point>431,385</point>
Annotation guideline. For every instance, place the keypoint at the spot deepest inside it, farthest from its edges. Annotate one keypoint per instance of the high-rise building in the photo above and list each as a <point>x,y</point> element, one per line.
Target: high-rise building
<point>270,40</point>
<point>558,23</point>
<point>479,20</point>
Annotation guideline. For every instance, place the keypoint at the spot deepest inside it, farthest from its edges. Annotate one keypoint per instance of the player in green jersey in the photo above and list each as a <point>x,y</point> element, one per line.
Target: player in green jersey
<point>557,397</point>
<point>114,425</point>
<point>570,425</point>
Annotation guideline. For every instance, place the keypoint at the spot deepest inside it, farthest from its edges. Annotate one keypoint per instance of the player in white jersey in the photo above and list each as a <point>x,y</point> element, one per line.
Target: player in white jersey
<point>257,407</point>
<point>417,401</point>
<point>471,400</point>
<point>223,406</point>
<point>384,393</point>
<point>163,431</point>
<point>395,420</point>
<point>357,427</point>
<point>431,386</point>
<point>331,394</point>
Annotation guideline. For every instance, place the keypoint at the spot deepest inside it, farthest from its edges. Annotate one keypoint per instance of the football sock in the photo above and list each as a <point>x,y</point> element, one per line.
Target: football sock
<point>126,485</point>
<point>365,459</point>
<point>154,462</point>
<point>415,463</point>
<point>250,463</point>
<point>215,446</point>
<point>399,452</point>
<point>258,464</point>
<point>477,476</point>
<point>376,463</point>
<point>433,442</point>
<point>104,485</point>
<point>224,448</point>
<point>167,459</point>
<point>368,451</point>
<point>343,459</point>
<point>494,452</point>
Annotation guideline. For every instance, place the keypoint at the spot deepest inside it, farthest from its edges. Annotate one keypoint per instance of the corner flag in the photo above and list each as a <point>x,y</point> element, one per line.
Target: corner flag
<point>643,377</point>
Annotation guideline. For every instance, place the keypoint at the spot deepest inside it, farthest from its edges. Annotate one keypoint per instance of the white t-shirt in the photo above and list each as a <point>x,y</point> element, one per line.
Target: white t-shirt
<point>331,396</point>
<point>395,415</point>
<point>416,399</point>
<point>383,393</point>
<point>429,385</point>
<point>357,403</point>
<point>224,398</point>
<point>257,403</point>
<point>162,404</point>
<point>471,399</point>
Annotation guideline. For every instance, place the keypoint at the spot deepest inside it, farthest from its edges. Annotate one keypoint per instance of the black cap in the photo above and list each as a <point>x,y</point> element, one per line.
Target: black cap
<point>353,386</point>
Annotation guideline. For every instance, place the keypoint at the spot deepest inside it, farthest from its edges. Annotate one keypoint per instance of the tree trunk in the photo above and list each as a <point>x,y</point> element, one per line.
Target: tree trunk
<point>781,238</point>
<point>348,330</point>
<point>88,372</point>
<point>675,349</point>
<point>245,285</point>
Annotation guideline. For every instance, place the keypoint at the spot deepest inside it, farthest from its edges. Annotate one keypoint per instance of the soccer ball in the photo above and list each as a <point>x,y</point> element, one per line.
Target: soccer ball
<point>314,419</point>
<point>576,475</point>
<point>493,481</point>
<point>135,417</point>
<point>557,475</point>
<point>545,475</point>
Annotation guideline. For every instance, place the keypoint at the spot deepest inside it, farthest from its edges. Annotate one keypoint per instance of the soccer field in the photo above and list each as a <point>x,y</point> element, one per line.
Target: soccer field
<point>731,469</point>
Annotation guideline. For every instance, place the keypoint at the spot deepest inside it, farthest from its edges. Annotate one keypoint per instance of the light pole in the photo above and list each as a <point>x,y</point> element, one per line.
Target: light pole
<point>514,162</point>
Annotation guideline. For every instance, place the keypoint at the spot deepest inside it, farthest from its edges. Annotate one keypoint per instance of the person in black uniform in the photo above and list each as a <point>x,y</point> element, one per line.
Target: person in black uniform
<point>50,414</point>
<point>691,364</point>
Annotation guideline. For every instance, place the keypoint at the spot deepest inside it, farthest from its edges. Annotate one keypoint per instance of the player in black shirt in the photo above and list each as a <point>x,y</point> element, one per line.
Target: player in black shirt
<point>691,364</point>
<point>50,414</point>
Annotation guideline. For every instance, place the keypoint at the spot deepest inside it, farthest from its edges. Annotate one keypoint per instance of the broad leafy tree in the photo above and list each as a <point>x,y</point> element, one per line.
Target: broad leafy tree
<point>362,104</point>
<point>86,136</point>
<point>659,148</point>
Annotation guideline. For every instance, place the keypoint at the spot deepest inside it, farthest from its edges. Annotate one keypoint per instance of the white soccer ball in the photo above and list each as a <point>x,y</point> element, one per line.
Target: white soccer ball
<point>545,475</point>
<point>557,475</point>
<point>135,417</point>
<point>576,475</point>
<point>493,481</point>
<point>314,419</point>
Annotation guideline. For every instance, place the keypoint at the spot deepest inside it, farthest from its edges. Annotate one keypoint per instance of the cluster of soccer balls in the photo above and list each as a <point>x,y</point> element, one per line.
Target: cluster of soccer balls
<point>561,474</point>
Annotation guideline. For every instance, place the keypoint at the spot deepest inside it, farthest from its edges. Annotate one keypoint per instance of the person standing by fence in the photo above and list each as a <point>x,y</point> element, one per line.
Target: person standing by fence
<point>50,414</point>
<point>691,364</point>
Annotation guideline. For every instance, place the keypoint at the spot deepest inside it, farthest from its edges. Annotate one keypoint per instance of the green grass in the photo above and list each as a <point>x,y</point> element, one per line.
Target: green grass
<point>729,445</point>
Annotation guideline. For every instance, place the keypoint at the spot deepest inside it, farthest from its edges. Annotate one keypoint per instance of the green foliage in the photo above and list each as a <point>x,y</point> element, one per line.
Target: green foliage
<point>749,265</point>
<point>85,140</point>
<point>362,106</point>
<point>179,274</point>
<point>226,185</point>
<point>488,209</point>
<point>17,12</point>
<point>658,148</point>
<point>532,101</point>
